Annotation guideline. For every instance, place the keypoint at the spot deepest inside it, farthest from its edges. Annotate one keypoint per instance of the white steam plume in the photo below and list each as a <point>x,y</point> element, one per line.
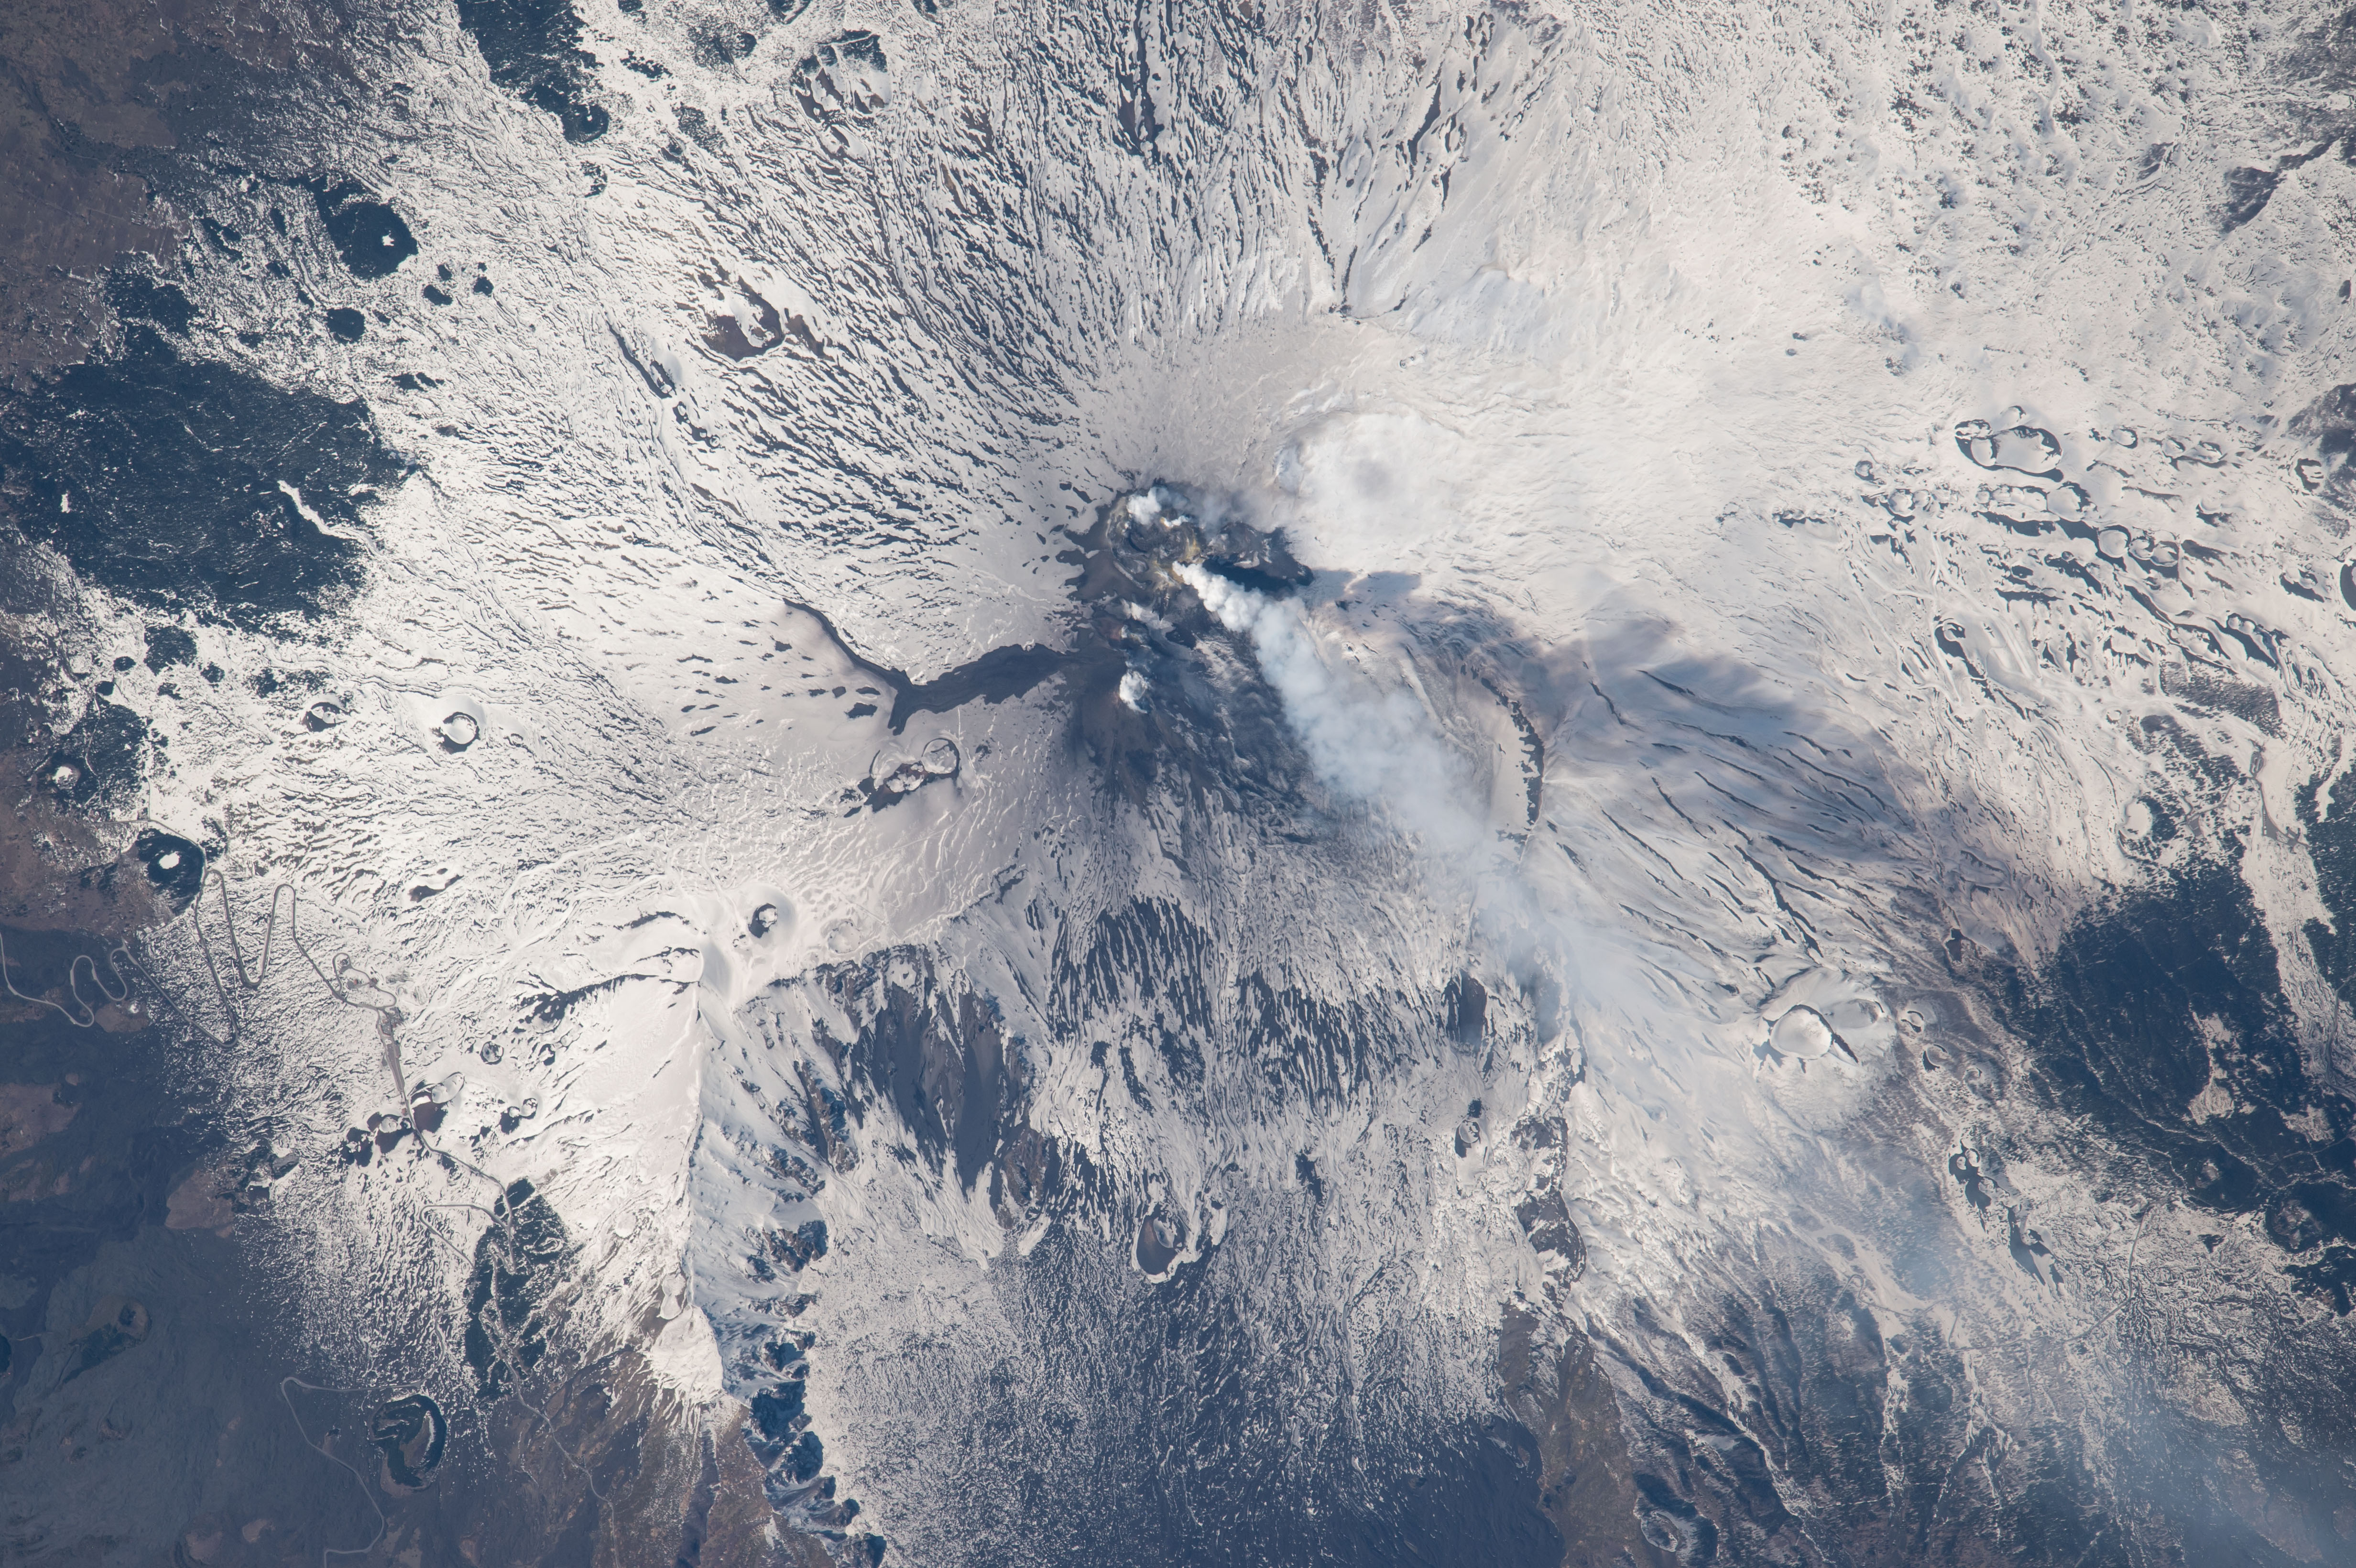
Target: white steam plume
<point>1376,747</point>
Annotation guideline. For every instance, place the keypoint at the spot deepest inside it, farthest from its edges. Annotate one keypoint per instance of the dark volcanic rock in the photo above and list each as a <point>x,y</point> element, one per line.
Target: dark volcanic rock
<point>370,236</point>
<point>174,865</point>
<point>411,1433</point>
<point>101,760</point>
<point>166,480</point>
<point>2331,842</point>
<point>135,298</point>
<point>1546,1219</point>
<point>533,49</point>
<point>519,1262</point>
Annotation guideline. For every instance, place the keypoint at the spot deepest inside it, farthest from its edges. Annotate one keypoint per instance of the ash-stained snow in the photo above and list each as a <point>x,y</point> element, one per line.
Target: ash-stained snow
<point>1779,847</point>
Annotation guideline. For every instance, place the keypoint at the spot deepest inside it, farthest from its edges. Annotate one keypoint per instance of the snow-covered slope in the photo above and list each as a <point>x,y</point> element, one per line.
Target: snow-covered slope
<point>1733,945</point>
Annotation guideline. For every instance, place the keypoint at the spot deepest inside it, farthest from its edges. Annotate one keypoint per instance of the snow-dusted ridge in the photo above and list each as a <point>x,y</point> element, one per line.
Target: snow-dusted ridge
<point>1779,566</point>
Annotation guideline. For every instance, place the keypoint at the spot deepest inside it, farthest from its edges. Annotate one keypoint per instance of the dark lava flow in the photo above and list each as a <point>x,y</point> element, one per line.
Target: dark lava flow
<point>166,480</point>
<point>519,1262</point>
<point>996,676</point>
<point>411,1433</point>
<point>370,236</point>
<point>533,49</point>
